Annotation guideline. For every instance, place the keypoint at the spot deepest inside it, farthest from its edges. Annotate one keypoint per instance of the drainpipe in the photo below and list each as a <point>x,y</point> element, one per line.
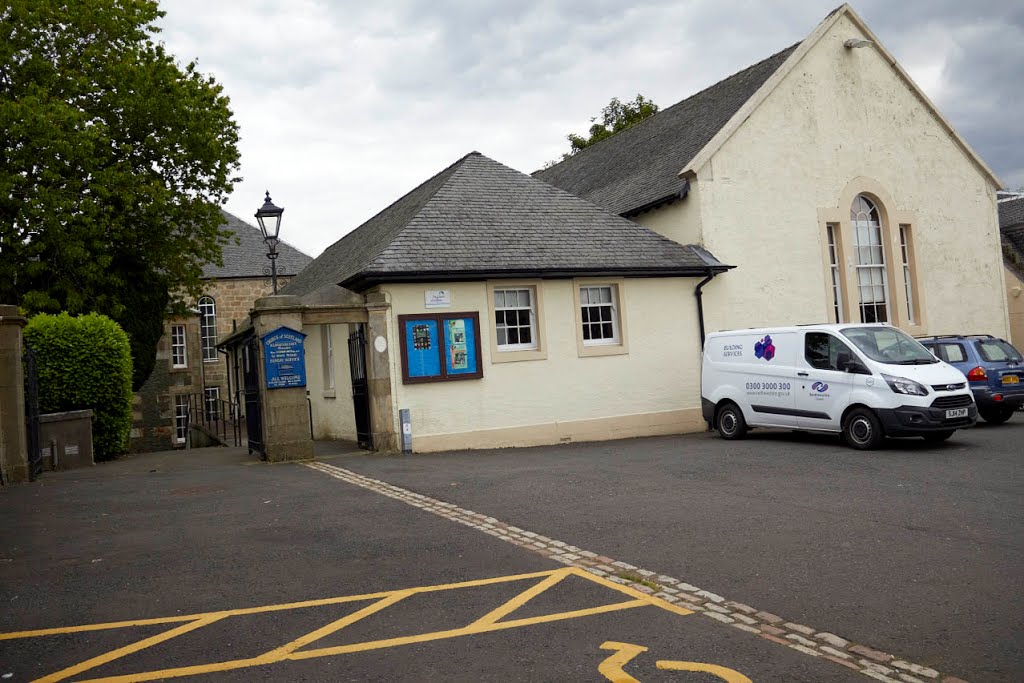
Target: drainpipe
<point>700,303</point>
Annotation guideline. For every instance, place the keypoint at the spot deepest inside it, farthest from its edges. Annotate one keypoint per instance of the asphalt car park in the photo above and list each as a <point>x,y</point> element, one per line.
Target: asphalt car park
<point>916,548</point>
<point>207,565</point>
<point>204,565</point>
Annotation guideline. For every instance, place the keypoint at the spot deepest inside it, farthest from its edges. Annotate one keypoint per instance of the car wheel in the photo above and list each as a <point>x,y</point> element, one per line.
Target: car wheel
<point>862,430</point>
<point>730,422</point>
<point>937,437</point>
<point>996,416</point>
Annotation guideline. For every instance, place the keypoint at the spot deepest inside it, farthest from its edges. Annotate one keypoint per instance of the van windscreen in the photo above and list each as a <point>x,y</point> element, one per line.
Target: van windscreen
<point>889,345</point>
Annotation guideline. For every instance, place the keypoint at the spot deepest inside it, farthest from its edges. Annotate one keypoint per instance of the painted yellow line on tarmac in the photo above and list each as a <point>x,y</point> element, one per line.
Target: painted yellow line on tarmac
<point>611,668</point>
<point>727,675</point>
<point>492,621</point>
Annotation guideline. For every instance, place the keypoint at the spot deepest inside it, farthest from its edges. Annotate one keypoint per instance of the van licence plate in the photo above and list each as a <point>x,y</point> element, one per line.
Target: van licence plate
<point>954,414</point>
<point>1011,379</point>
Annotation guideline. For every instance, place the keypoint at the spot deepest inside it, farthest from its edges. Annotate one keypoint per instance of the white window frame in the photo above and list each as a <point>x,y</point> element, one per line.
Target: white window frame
<point>539,351</point>
<point>179,347</point>
<point>208,328</point>
<point>210,397</point>
<point>181,407</point>
<point>834,266</point>
<point>501,293</point>
<point>908,278</point>
<point>619,344</point>
<point>869,268</point>
<point>588,308</point>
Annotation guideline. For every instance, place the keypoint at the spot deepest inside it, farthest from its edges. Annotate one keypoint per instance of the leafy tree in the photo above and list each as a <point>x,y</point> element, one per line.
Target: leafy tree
<point>616,116</point>
<point>113,163</point>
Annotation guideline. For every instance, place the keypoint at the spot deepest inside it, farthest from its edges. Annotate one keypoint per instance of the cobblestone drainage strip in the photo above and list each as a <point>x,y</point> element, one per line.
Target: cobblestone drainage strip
<point>869,661</point>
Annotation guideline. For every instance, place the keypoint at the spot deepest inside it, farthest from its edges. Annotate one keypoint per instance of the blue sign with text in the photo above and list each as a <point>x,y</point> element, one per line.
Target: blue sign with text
<point>284,356</point>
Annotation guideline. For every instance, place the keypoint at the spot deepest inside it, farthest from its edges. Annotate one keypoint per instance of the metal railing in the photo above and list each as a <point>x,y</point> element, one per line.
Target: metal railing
<point>218,417</point>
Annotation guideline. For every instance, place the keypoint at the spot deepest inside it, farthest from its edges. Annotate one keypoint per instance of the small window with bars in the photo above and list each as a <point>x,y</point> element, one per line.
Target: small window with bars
<point>515,319</point>
<point>179,348</point>
<point>211,401</point>
<point>599,314</point>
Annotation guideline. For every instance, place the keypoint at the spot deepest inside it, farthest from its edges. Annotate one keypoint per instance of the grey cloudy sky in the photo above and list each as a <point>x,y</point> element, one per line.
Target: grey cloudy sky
<point>346,105</point>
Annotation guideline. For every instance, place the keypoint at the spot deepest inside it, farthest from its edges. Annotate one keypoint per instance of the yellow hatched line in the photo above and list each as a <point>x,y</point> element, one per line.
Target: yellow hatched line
<point>492,621</point>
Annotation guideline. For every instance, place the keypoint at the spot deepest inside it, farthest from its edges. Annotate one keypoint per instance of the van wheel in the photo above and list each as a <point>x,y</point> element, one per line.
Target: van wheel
<point>937,437</point>
<point>862,430</point>
<point>730,422</point>
<point>996,416</point>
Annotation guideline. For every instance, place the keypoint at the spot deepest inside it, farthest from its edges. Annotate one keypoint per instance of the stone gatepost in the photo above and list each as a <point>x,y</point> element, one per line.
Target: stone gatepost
<point>285,412</point>
<point>13,439</point>
<point>382,413</point>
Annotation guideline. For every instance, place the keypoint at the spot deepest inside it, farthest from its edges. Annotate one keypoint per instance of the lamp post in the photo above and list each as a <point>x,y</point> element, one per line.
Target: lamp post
<point>269,217</point>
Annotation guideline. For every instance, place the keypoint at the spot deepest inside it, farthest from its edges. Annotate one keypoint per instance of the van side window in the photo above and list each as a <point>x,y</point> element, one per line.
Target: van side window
<point>823,351</point>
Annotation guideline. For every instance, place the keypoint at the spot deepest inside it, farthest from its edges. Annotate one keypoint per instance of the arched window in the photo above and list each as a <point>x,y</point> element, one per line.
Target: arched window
<point>872,284</point>
<point>208,328</point>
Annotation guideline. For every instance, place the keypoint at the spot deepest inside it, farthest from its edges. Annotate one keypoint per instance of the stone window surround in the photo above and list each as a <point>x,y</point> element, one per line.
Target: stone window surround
<point>891,219</point>
<point>537,289</point>
<point>585,350</point>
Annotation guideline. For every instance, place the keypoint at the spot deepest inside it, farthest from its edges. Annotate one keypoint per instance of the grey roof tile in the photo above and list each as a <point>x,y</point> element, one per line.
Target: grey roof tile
<point>639,167</point>
<point>479,218</point>
<point>1011,213</point>
<point>248,257</point>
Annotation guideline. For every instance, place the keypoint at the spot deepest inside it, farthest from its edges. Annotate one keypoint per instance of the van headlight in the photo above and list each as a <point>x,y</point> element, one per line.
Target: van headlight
<point>902,385</point>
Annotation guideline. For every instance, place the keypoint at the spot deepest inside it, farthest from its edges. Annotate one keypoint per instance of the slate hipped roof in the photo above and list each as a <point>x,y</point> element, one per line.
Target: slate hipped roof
<point>479,218</point>
<point>638,168</point>
<point>248,258</point>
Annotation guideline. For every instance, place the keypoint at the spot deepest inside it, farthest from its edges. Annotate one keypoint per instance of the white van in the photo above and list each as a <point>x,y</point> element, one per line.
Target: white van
<point>864,381</point>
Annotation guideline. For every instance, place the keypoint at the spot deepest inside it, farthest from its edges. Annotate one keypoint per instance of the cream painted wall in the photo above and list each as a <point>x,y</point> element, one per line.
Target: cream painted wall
<point>660,373</point>
<point>679,221</point>
<point>839,115</point>
<point>333,417</point>
<point>1015,306</point>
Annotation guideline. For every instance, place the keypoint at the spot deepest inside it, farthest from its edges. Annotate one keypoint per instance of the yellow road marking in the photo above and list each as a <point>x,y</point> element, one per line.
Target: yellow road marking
<point>521,599</point>
<point>727,675</point>
<point>492,621</point>
<point>611,668</point>
<point>126,650</point>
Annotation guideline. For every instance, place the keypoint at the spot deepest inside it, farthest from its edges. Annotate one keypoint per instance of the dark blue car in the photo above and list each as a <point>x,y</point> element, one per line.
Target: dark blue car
<point>994,369</point>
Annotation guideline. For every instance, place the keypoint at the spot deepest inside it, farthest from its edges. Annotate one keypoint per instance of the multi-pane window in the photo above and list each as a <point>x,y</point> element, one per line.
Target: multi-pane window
<point>179,349</point>
<point>872,283</point>
<point>211,396</point>
<point>907,279</point>
<point>180,418</point>
<point>208,328</point>
<point>515,319</point>
<point>833,265</point>
<point>327,354</point>
<point>599,315</point>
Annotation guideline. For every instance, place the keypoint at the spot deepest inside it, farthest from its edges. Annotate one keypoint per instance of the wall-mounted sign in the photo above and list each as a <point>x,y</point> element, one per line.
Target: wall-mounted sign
<point>440,346</point>
<point>437,298</point>
<point>284,356</point>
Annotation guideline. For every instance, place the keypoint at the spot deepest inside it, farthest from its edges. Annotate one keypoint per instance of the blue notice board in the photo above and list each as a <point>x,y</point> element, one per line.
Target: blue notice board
<point>438,347</point>
<point>284,356</point>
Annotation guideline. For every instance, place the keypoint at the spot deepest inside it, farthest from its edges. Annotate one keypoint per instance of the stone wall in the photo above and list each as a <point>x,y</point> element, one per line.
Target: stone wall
<point>153,409</point>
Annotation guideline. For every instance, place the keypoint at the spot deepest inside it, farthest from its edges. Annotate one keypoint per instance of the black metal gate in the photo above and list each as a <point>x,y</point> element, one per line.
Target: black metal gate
<point>35,456</point>
<point>251,393</point>
<point>360,386</point>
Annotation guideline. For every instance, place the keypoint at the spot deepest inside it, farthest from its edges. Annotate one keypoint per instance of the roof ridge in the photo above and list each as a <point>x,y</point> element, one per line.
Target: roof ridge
<point>681,102</point>
<point>250,225</point>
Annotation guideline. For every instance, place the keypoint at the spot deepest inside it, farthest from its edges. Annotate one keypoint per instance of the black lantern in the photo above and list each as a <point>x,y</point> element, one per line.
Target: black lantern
<point>269,217</point>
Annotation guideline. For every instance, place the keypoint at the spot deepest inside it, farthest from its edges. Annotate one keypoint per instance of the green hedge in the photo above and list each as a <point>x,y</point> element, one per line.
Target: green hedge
<point>86,362</point>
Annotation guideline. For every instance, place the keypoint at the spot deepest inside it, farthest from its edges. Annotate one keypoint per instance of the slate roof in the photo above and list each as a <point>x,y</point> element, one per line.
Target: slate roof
<point>248,258</point>
<point>478,218</point>
<point>638,168</point>
<point>1011,227</point>
<point>1011,213</point>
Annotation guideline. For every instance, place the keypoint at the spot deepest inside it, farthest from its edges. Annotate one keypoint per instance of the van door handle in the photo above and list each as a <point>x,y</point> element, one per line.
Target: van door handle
<point>803,374</point>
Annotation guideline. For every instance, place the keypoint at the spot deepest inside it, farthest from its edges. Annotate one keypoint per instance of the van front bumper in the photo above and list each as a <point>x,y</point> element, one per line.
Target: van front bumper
<point>915,420</point>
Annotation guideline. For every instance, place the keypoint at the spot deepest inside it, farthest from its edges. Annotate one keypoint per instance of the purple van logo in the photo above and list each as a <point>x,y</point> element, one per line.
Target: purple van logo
<point>764,348</point>
<point>820,387</point>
